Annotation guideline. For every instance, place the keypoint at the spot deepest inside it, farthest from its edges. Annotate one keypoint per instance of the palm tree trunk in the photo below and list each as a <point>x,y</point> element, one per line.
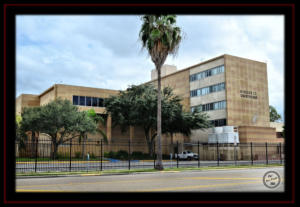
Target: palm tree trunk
<point>159,165</point>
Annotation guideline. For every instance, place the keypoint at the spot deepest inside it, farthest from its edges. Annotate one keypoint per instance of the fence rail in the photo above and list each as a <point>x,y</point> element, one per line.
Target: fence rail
<point>44,156</point>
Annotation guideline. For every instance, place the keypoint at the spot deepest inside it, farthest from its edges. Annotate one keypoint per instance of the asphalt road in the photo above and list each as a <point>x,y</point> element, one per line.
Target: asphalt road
<point>60,166</point>
<point>233,180</point>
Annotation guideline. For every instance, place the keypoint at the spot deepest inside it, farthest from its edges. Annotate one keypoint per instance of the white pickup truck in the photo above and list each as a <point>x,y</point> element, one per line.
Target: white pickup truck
<point>187,155</point>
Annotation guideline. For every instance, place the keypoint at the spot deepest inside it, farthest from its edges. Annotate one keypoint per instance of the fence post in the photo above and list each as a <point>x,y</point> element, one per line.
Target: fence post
<point>101,153</point>
<point>235,154</point>
<point>154,157</point>
<point>36,155</point>
<point>198,155</point>
<point>129,154</point>
<point>251,153</point>
<point>70,165</point>
<point>177,161</point>
<point>218,157</point>
<point>280,153</point>
<point>267,162</point>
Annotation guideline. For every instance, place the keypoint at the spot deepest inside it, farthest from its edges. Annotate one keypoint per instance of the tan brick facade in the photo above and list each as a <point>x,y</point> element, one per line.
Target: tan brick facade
<point>246,96</point>
<point>26,100</point>
<point>246,77</point>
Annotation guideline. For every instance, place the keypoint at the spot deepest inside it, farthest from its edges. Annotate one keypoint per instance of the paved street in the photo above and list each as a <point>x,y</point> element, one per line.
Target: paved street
<point>233,180</point>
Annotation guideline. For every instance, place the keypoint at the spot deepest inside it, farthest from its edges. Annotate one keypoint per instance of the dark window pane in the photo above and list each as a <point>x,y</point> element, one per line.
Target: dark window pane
<point>94,101</point>
<point>216,123</point>
<point>100,102</point>
<point>75,100</point>
<point>82,100</point>
<point>89,101</point>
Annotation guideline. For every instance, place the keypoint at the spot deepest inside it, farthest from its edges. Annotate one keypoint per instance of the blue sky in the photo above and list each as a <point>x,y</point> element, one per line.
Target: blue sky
<point>104,51</point>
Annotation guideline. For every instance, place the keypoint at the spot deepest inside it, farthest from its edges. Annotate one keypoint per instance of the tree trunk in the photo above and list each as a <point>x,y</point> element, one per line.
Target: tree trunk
<point>150,148</point>
<point>172,147</point>
<point>32,144</point>
<point>159,165</point>
<point>54,151</point>
<point>83,147</point>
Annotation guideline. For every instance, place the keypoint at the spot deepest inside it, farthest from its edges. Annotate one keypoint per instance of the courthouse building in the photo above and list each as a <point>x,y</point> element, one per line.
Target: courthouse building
<point>233,91</point>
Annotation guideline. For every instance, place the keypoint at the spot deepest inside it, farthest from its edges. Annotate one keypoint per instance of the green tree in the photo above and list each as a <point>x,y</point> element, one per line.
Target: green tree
<point>137,106</point>
<point>61,120</point>
<point>160,37</point>
<point>274,116</point>
<point>30,122</point>
<point>21,137</point>
<point>98,120</point>
<point>183,122</point>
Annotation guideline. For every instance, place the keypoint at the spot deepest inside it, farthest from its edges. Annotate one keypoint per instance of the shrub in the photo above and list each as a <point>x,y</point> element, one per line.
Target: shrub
<point>62,156</point>
<point>165,157</point>
<point>77,154</point>
<point>122,154</point>
<point>92,156</point>
<point>112,154</point>
<point>106,154</point>
<point>137,155</point>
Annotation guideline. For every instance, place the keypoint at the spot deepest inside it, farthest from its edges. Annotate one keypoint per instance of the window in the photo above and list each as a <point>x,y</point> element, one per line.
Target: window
<point>204,91</point>
<point>94,101</point>
<point>198,92</point>
<point>207,90</point>
<point>193,93</point>
<point>88,101</point>
<point>210,106</point>
<point>82,100</point>
<point>214,71</point>
<point>75,100</point>
<point>216,106</point>
<point>207,73</point>
<point>100,102</point>
<point>218,122</point>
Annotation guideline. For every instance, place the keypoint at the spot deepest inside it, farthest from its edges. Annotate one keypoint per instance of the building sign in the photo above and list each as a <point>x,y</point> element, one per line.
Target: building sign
<point>248,94</point>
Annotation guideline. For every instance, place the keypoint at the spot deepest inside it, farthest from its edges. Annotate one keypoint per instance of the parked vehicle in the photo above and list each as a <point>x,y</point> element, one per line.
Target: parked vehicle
<point>187,155</point>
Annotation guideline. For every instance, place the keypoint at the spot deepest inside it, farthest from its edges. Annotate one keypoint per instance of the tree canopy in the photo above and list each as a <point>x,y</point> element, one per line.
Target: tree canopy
<point>137,106</point>
<point>160,36</point>
<point>274,115</point>
<point>61,120</point>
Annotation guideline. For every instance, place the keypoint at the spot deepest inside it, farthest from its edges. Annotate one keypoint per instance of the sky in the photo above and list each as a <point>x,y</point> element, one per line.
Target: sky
<point>104,51</point>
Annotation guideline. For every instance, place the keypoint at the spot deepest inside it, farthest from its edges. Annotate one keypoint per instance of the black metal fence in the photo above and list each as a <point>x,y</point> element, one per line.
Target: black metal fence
<point>42,156</point>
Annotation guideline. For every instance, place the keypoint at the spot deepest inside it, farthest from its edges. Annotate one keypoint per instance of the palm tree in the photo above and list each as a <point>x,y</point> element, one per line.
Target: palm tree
<point>160,37</point>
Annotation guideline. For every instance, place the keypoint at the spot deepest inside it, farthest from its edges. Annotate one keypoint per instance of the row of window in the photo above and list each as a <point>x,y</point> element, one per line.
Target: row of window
<point>207,73</point>
<point>218,122</point>
<point>207,90</point>
<point>88,101</point>
<point>210,106</point>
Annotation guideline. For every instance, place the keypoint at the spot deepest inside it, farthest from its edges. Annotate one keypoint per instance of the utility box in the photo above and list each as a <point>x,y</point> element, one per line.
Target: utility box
<point>225,134</point>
